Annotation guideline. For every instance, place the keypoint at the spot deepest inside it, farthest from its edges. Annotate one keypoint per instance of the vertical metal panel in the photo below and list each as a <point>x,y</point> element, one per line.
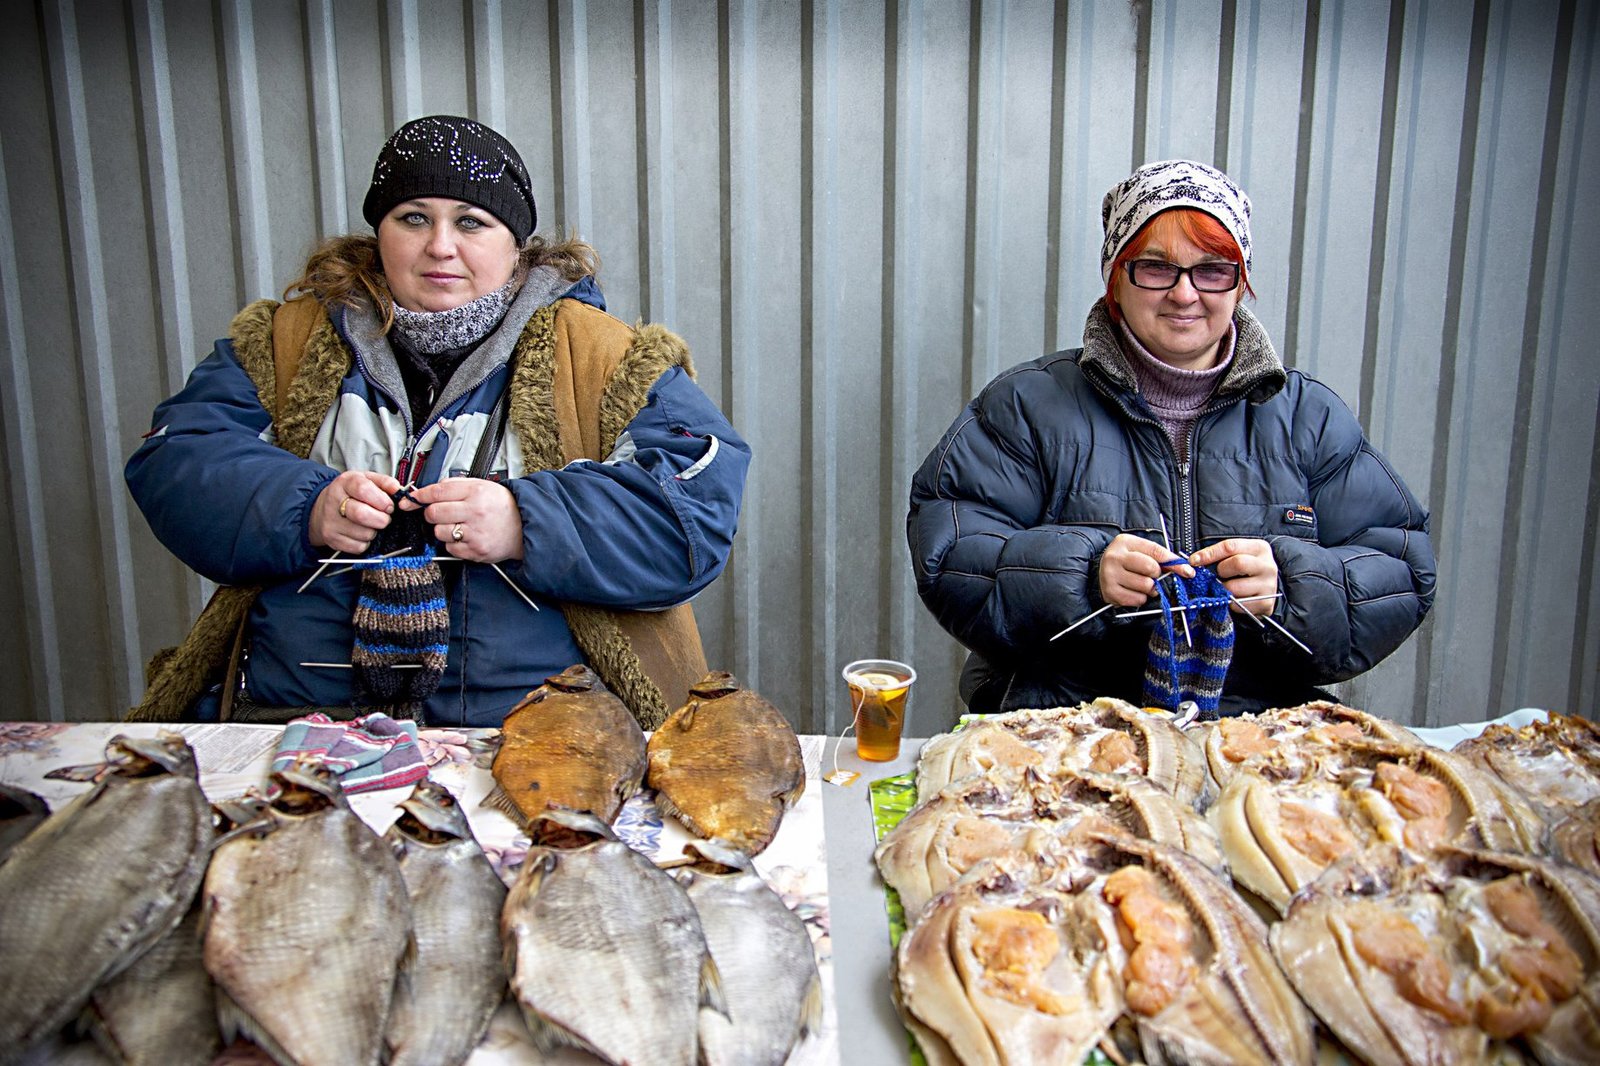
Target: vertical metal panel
<point>856,214</point>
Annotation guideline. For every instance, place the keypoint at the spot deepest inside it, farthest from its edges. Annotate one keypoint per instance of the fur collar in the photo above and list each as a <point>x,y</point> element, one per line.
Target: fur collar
<point>1256,372</point>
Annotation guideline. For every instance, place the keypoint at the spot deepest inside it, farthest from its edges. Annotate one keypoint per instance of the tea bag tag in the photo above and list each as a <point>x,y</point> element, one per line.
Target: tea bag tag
<point>842,778</point>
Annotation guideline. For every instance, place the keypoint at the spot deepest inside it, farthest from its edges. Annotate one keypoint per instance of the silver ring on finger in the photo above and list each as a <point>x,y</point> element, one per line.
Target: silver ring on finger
<point>456,534</point>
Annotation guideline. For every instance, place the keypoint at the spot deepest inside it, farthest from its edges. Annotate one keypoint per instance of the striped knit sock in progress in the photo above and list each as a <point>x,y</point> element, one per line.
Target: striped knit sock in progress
<point>1176,670</point>
<point>400,618</point>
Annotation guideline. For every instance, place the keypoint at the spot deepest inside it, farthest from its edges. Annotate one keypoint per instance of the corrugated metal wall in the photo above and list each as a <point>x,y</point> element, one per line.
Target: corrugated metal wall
<point>856,214</point>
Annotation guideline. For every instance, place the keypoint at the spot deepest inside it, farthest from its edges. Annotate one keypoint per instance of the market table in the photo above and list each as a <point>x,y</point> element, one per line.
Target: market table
<point>821,861</point>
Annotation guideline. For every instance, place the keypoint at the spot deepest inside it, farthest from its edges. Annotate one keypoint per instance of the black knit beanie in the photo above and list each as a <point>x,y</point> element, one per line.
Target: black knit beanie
<point>445,155</point>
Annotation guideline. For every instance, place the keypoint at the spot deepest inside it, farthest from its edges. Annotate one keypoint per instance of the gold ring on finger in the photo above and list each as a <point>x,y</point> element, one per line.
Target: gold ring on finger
<point>342,504</point>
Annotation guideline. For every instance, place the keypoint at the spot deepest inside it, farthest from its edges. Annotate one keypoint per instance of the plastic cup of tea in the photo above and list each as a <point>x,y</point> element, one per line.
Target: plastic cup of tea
<point>878,689</point>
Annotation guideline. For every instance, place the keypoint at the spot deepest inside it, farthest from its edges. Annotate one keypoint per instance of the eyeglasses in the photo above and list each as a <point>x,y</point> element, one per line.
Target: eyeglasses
<point>1205,277</point>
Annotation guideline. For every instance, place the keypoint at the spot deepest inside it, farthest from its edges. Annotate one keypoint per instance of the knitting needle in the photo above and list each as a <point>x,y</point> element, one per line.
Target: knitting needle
<point>515,587</point>
<point>325,564</point>
<point>1188,638</point>
<point>351,666</point>
<point>1195,606</point>
<point>1098,611</point>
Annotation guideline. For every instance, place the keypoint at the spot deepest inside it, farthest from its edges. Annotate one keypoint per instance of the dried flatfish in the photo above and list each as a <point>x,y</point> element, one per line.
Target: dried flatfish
<point>605,951</point>
<point>160,1011</point>
<point>1576,838</point>
<point>1284,821</point>
<point>97,883</point>
<point>727,764</point>
<point>571,744</point>
<point>1554,763</point>
<point>306,923</point>
<point>763,952</point>
<point>1230,743</point>
<point>1432,960</point>
<point>1106,736</point>
<point>987,814</point>
<point>444,1000</point>
<point>20,812</point>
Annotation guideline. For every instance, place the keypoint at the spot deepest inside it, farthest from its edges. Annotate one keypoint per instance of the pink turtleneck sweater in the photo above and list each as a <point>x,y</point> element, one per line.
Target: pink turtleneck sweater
<point>1175,396</point>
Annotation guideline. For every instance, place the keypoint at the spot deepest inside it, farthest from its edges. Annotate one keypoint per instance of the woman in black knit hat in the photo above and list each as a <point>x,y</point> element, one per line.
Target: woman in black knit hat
<point>446,389</point>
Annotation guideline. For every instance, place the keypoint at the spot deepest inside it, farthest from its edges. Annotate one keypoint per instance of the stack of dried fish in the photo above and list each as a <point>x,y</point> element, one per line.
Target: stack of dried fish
<point>307,922</point>
<point>570,744</point>
<point>98,883</point>
<point>1424,921</point>
<point>727,764</point>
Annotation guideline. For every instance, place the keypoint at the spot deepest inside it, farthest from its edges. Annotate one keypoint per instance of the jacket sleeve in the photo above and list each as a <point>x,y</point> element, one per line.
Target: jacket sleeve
<point>651,525</point>
<point>1366,583</point>
<point>996,577</point>
<point>216,492</point>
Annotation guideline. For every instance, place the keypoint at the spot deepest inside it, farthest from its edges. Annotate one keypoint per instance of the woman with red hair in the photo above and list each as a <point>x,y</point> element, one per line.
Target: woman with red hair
<point>1171,460</point>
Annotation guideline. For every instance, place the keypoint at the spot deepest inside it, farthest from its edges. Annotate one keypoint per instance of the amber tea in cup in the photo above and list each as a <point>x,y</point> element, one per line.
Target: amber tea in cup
<point>878,689</point>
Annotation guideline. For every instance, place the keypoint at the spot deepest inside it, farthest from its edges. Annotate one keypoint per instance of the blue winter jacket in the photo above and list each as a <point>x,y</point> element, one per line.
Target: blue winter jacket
<point>1012,510</point>
<point>646,529</point>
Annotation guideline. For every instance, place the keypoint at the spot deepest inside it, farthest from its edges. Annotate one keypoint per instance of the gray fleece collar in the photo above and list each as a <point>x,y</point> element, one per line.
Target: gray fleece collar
<point>363,329</point>
<point>1256,371</point>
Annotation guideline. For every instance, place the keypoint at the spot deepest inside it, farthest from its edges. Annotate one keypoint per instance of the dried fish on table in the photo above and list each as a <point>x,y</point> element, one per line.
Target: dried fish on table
<point>1284,820</point>
<point>1433,959</point>
<point>604,950</point>
<point>987,814</point>
<point>20,812</point>
<point>1308,729</point>
<point>763,952</point>
<point>306,923</point>
<point>571,743</point>
<point>727,764</point>
<point>1555,765</point>
<point>160,1011</point>
<point>97,883</point>
<point>1106,736</point>
<point>444,1000</point>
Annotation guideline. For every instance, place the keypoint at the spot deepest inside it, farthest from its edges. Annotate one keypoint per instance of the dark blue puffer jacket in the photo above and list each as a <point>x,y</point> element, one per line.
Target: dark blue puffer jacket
<point>1012,510</point>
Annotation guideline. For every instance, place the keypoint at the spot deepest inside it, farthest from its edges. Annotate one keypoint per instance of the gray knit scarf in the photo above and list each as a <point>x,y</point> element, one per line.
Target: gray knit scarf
<point>432,332</point>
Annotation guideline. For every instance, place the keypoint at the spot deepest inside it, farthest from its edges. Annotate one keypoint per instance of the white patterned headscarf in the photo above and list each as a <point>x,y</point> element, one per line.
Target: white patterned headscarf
<point>1157,187</point>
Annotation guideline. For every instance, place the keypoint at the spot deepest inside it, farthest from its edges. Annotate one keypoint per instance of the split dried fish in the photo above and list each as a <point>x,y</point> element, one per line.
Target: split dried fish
<point>306,923</point>
<point>571,743</point>
<point>1230,743</point>
<point>443,1002</point>
<point>1433,960</point>
<point>727,764</point>
<point>1106,736</point>
<point>604,951</point>
<point>763,952</point>
<point>988,814</point>
<point>1282,822</point>
<point>97,883</point>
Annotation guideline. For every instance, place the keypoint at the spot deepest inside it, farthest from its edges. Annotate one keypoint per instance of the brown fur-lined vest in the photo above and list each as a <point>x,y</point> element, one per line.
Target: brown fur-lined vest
<point>579,376</point>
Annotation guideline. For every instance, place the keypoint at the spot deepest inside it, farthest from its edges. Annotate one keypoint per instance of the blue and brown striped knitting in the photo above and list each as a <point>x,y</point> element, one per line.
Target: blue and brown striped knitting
<point>1176,670</point>
<point>400,617</point>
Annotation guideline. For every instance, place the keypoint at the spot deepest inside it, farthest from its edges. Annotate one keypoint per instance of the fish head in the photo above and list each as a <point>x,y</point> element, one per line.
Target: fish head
<point>306,786</point>
<point>431,815</point>
<point>578,678</point>
<point>236,811</point>
<point>165,753</point>
<point>567,830</point>
<point>715,857</point>
<point>715,685</point>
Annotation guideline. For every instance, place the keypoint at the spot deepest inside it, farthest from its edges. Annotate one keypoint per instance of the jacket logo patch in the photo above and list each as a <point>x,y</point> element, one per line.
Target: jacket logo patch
<point>1300,516</point>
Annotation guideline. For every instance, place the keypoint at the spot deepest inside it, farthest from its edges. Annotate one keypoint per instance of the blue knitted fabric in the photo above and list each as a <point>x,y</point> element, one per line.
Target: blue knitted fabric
<point>1176,670</point>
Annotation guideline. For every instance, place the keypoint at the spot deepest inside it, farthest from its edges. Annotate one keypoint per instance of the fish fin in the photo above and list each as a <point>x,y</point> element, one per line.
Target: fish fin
<point>811,1008</point>
<point>234,1021</point>
<point>711,994</point>
<point>549,1037</point>
<point>686,719</point>
<point>500,800</point>
<point>791,797</point>
<point>93,771</point>
<point>665,805</point>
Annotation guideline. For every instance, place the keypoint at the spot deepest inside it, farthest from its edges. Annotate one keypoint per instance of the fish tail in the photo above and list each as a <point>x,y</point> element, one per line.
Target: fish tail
<point>711,994</point>
<point>811,1008</point>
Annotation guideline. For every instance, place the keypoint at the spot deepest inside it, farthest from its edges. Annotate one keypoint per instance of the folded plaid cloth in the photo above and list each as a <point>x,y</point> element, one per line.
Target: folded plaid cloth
<point>368,753</point>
